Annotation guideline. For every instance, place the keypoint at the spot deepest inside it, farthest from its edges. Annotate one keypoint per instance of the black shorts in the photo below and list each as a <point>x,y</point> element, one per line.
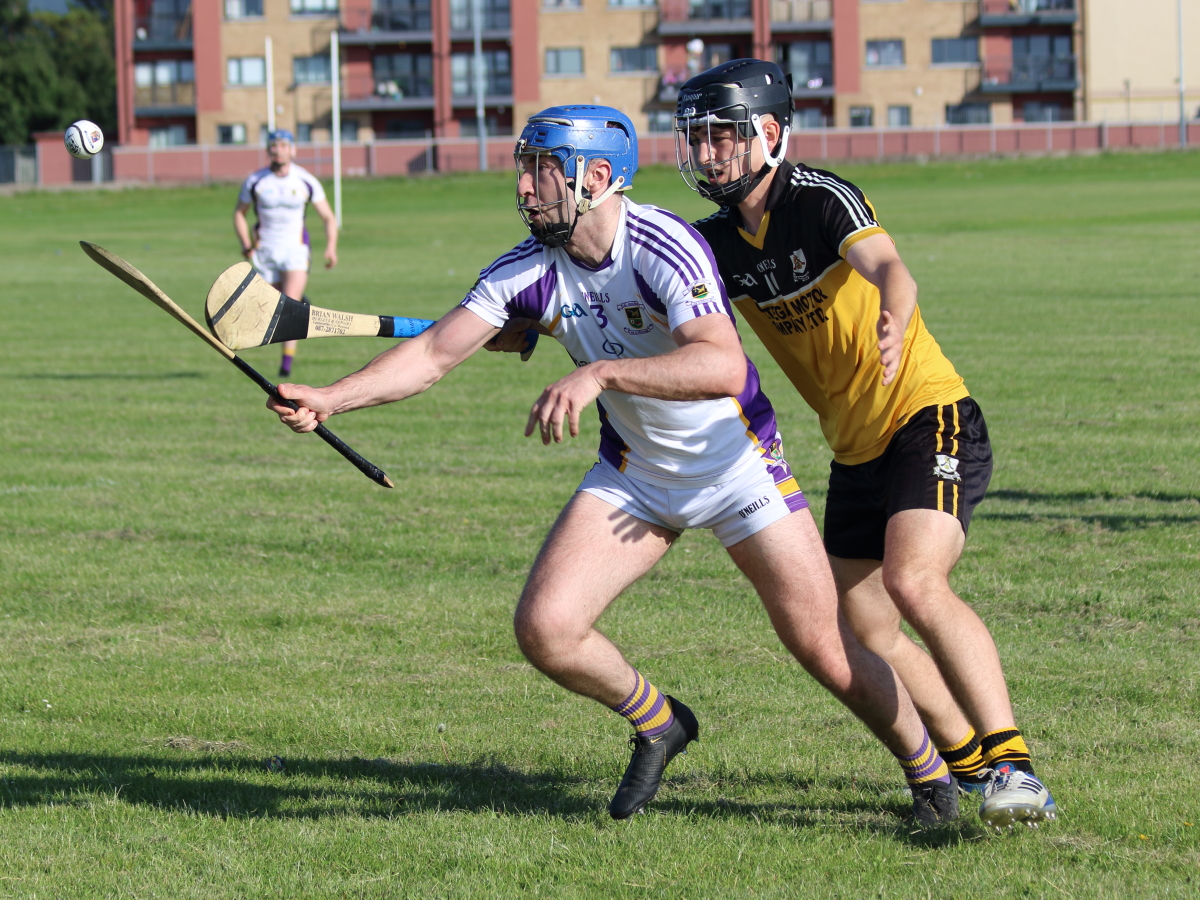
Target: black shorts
<point>940,459</point>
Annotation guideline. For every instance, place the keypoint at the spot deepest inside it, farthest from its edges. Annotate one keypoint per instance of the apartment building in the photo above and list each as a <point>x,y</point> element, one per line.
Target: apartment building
<point>195,71</point>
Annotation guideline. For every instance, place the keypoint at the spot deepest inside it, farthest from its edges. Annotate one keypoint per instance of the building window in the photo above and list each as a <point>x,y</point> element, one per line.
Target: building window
<point>1035,111</point>
<point>955,51</point>
<point>404,129</point>
<point>311,69</point>
<point>243,9</point>
<point>808,117</point>
<point>562,4</point>
<point>169,136</point>
<point>469,128</point>
<point>497,69</point>
<point>495,15</point>
<point>810,63</point>
<point>400,15</point>
<point>564,61</point>
<point>231,134</point>
<point>403,75</point>
<point>661,120</point>
<point>883,54</point>
<point>968,114</point>
<point>636,3</point>
<point>304,132</point>
<point>633,59</point>
<point>899,116</point>
<point>165,82</point>
<point>1042,57</point>
<point>862,116</point>
<point>313,7</point>
<point>246,70</point>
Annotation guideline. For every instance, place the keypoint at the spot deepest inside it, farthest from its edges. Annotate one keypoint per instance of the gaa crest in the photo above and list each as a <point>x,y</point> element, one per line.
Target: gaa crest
<point>799,264</point>
<point>946,468</point>
<point>775,450</point>
<point>635,315</point>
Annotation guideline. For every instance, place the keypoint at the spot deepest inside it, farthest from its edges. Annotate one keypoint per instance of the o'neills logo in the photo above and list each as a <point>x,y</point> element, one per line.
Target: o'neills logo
<point>754,507</point>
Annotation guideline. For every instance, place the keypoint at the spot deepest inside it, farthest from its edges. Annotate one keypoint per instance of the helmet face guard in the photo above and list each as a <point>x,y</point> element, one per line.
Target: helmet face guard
<point>716,99</point>
<point>575,136</point>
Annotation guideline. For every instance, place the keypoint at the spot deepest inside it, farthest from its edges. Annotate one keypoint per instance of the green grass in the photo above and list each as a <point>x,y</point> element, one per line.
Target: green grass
<point>187,589</point>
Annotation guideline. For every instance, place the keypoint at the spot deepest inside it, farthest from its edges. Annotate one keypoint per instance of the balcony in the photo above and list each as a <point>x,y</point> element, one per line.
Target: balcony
<point>1029,75</point>
<point>1014,13</point>
<point>158,100</point>
<point>400,21</point>
<point>497,21</point>
<point>162,25</point>
<point>801,15</point>
<point>701,17</point>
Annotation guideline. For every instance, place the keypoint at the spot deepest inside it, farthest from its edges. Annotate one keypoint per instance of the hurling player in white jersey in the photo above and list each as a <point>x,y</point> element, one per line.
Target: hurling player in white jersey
<point>279,248</point>
<point>687,438</point>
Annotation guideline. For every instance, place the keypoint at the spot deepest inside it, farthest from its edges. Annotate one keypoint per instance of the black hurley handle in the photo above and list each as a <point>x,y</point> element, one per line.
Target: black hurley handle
<point>368,468</point>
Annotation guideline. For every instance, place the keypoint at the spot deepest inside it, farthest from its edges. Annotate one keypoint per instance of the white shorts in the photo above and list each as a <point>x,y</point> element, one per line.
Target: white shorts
<point>272,262</point>
<point>757,496</point>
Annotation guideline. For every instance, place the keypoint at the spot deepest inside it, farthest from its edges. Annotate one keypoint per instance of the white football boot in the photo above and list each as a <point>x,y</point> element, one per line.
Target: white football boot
<point>1013,797</point>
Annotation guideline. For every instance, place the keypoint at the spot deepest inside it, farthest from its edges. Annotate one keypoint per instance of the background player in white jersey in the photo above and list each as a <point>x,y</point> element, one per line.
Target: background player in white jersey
<point>688,440</point>
<point>278,247</point>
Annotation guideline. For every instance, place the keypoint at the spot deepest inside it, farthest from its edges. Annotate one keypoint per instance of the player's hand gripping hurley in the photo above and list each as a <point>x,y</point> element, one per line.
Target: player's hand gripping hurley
<point>244,311</point>
<point>151,292</point>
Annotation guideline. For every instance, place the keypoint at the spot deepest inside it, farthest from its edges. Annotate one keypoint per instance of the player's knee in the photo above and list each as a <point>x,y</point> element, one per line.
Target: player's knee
<point>545,639</point>
<point>917,592</point>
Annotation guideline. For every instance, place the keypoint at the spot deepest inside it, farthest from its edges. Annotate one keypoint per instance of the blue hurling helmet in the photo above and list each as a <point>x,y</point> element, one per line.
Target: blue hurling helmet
<point>576,135</point>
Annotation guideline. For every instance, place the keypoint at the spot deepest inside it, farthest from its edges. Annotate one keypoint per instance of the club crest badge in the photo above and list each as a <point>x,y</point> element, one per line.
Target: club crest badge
<point>699,291</point>
<point>799,265</point>
<point>946,468</point>
<point>635,315</point>
<point>774,450</point>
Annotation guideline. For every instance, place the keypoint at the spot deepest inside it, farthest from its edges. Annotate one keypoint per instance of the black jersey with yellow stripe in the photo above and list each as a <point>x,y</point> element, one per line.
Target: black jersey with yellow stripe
<point>817,316</point>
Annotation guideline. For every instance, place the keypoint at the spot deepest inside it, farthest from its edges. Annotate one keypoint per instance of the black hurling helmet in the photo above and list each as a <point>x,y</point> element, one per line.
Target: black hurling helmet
<point>739,92</point>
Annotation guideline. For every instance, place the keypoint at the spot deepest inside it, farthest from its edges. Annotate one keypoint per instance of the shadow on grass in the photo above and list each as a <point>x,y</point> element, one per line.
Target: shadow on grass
<point>228,786</point>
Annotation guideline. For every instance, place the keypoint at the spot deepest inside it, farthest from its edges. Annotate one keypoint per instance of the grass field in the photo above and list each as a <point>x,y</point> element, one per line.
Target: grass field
<point>188,589</point>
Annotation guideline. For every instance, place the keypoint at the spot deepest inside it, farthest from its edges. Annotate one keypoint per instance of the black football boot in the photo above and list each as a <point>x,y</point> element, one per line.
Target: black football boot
<point>650,759</point>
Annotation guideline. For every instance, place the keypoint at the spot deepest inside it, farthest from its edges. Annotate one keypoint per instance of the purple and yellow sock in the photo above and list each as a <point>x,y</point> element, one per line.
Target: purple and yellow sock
<point>964,758</point>
<point>925,765</point>
<point>285,363</point>
<point>1006,746</point>
<point>647,710</point>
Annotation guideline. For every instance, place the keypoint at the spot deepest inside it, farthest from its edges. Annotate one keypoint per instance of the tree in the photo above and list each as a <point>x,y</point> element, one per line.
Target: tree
<point>55,69</point>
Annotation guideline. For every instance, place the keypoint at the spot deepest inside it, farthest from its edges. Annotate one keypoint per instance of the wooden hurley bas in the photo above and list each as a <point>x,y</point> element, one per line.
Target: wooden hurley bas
<point>244,311</point>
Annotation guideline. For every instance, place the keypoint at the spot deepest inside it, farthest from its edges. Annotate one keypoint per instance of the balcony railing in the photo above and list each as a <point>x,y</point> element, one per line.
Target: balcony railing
<point>708,10</point>
<point>496,15</point>
<point>801,13</point>
<point>1029,74</point>
<point>1026,12</point>
<point>400,15</point>
<point>179,93</point>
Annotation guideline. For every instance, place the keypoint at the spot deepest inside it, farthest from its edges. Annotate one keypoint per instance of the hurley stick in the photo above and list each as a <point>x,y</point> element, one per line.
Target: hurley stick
<point>150,291</point>
<point>244,311</point>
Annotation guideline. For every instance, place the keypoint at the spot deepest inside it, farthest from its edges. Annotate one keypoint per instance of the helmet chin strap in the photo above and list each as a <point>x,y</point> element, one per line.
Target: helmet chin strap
<point>771,161</point>
<point>582,203</point>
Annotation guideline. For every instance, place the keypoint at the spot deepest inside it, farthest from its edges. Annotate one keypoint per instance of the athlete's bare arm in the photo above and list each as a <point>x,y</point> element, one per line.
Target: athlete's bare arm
<point>875,259</point>
<point>242,228</point>
<point>329,220</point>
<point>709,364</point>
<point>406,369</point>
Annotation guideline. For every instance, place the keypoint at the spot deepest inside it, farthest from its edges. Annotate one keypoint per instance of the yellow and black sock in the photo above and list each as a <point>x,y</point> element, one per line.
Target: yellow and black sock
<point>1006,746</point>
<point>964,758</point>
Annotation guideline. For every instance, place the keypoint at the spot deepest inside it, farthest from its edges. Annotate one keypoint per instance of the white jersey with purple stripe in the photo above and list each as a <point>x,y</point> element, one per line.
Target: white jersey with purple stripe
<point>280,203</point>
<point>659,274</point>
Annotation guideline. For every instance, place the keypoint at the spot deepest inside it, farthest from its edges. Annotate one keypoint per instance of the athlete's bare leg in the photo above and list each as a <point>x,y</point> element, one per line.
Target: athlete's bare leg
<point>593,552</point>
<point>922,547</point>
<point>870,611</point>
<point>786,563</point>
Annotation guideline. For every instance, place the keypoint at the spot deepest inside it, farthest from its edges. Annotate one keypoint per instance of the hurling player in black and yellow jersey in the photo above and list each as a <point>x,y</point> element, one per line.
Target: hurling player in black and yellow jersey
<point>807,263</point>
